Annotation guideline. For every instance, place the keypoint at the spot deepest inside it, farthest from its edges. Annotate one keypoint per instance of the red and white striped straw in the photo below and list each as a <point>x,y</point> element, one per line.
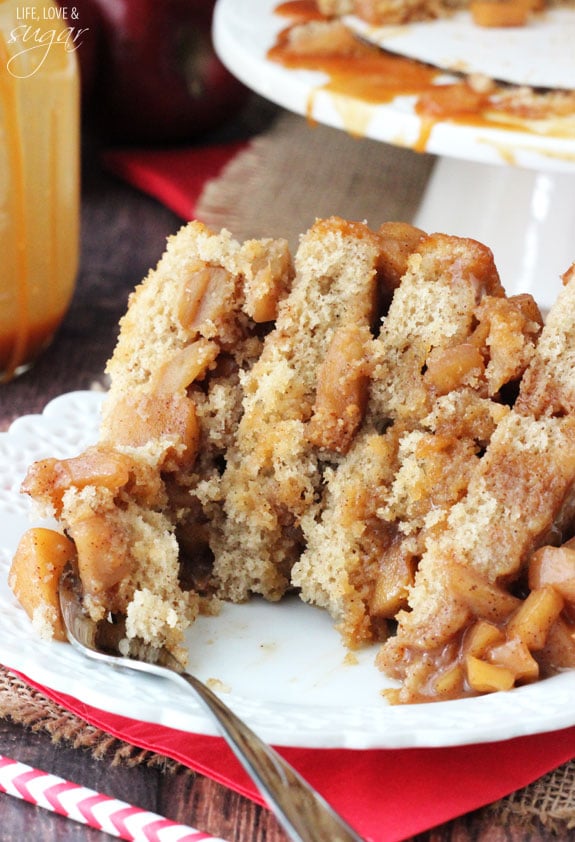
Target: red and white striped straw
<point>88,807</point>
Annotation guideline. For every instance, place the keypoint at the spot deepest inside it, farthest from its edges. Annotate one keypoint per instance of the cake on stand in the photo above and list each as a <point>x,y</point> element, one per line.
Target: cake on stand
<point>511,188</point>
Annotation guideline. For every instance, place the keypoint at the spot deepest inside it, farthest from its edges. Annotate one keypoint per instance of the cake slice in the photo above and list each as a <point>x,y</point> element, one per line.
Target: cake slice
<point>520,497</point>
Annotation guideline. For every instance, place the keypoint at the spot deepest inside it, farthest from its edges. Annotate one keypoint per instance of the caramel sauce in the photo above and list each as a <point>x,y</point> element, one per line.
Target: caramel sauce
<point>361,75</point>
<point>357,69</point>
<point>299,10</point>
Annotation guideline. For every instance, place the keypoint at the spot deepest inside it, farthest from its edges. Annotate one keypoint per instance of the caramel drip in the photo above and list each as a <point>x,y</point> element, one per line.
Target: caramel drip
<point>365,75</point>
<point>16,212</point>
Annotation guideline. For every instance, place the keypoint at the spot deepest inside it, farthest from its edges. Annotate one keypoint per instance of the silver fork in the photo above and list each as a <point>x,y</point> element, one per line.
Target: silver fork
<point>302,812</point>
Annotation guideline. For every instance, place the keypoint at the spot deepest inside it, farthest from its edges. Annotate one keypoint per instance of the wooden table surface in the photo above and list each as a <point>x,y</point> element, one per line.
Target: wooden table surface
<point>123,234</point>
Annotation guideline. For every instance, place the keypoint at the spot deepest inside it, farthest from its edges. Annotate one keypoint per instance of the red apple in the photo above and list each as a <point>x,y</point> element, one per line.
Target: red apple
<point>159,79</point>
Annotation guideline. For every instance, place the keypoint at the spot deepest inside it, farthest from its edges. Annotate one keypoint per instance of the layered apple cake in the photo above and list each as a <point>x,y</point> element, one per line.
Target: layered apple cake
<point>371,423</point>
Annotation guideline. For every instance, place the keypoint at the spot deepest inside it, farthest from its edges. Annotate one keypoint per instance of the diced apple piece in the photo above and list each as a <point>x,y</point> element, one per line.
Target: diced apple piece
<point>485,600</point>
<point>480,637</point>
<point>391,586</point>
<point>103,556</point>
<point>554,566</point>
<point>515,656</point>
<point>342,390</point>
<point>266,279</point>
<point>487,678</point>
<point>533,620</point>
<point>449,683</point>
<point>186,366</point>
<point>97,465</point>
<point>152,417</point>
<point>34,575</point>
<point>48,479</point>
<point>449,368</point>
<point>399,240</point>
<point>205,297</point>
<point>559,650</point>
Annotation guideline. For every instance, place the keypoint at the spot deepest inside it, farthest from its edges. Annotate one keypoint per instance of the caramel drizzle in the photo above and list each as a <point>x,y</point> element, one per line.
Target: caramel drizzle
<point>372,76</point>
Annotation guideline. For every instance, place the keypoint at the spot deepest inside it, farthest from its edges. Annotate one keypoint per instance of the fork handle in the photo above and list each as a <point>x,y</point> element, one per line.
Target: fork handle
<point>301,811</point>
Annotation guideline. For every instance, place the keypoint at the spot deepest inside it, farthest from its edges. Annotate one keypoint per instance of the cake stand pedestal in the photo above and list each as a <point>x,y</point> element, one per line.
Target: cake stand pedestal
<point>527,218</point>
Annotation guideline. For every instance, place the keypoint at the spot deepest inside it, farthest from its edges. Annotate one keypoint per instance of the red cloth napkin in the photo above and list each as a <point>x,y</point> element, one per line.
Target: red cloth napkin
<point>176,177</point>
<point>387,795</point>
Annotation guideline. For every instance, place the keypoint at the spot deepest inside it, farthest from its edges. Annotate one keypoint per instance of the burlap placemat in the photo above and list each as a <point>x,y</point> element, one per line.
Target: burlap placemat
<point>28,707</point>
<point>295,172</point>
<point>291,174</point>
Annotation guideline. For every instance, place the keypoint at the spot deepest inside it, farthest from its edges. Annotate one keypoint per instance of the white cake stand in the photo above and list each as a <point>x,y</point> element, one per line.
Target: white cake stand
<point>512,189</point>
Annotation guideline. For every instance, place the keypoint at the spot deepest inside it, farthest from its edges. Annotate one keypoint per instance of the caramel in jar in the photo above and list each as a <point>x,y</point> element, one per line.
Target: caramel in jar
<point>39,177</point>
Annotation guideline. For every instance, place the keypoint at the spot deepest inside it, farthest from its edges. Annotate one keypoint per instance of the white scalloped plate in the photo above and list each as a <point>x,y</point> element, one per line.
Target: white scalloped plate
<point>517,54</point>
<point>282,667</point>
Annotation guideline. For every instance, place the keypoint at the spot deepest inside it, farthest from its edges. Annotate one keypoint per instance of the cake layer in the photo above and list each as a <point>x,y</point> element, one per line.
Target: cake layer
<point>449,345</point>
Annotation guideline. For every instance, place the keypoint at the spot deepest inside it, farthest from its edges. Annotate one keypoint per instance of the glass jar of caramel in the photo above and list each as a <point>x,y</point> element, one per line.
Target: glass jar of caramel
<point>39,177</point>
